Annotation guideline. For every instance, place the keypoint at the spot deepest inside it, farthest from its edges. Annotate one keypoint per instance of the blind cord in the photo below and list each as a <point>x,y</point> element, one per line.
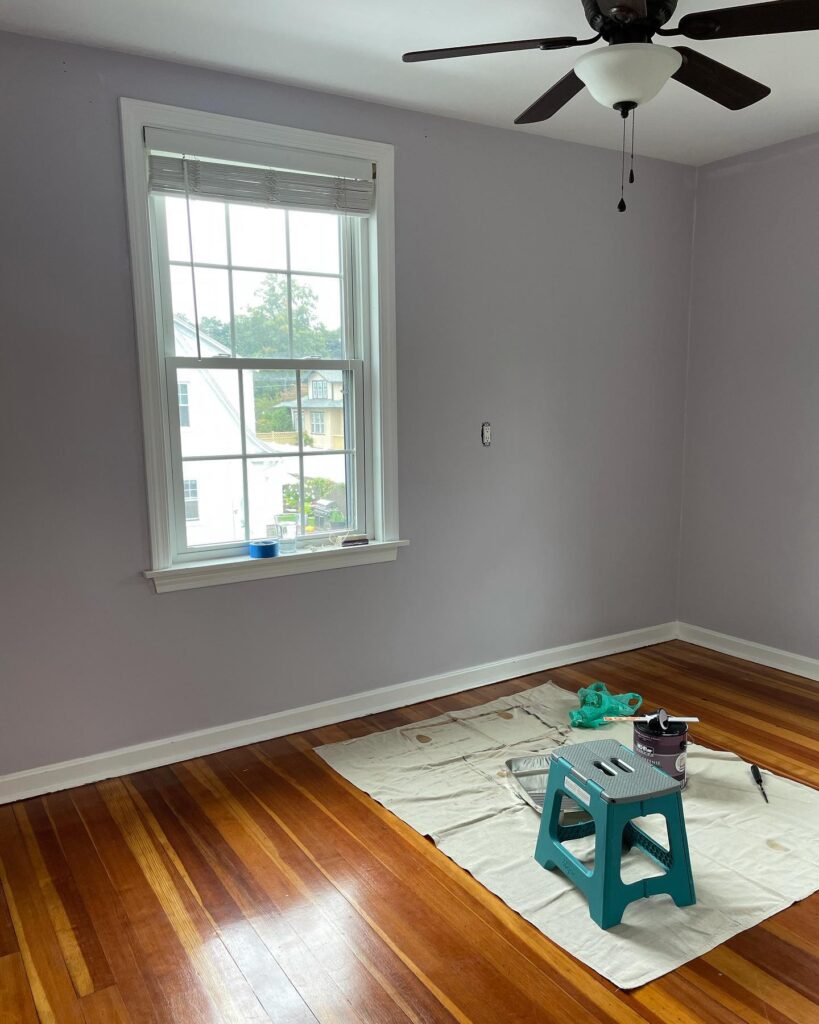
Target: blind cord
<point>193,271</point>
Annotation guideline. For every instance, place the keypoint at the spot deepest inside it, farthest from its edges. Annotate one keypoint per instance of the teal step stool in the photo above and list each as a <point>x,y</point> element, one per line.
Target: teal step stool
<point>614,785</point>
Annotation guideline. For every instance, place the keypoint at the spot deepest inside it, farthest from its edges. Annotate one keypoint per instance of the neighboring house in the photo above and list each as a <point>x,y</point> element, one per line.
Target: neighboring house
<point>210,425</point>
<point>322,408</point>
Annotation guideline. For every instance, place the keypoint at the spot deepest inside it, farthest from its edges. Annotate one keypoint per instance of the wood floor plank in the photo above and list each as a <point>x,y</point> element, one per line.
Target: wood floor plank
<point>257,885</point>
<point>798,925</point>
<point>526,942</point>
<point>347,957</point>
<point>787,962</point>
<point>181,822</point>
<point>430,942</point>
<point>106,1007</point>
<point>48,976</point>
<point>8,940</point>
<point>139,987</point>
<point>16,1000</point>
<point>760,983</point>
<point>726,993</point>
<point>82,952</point>
<point>166,962</point>
<point>219,976</point>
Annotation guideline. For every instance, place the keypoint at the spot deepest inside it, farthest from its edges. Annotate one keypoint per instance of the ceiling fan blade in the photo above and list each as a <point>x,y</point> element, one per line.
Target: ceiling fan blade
<point>556,43</point>
<point>717,81</point>
<point>552,100</point>
<point>753,20</point>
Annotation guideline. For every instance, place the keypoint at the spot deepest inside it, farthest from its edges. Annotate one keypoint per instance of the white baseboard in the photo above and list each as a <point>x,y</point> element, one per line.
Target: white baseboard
<point>772,657</point>
<point>78,772</point>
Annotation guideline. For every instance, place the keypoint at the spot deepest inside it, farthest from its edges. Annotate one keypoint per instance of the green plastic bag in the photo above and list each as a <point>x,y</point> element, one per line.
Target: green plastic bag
<point>596,703</point>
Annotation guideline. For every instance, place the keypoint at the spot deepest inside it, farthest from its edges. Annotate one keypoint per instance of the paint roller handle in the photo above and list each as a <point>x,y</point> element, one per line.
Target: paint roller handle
<point>645,718</point>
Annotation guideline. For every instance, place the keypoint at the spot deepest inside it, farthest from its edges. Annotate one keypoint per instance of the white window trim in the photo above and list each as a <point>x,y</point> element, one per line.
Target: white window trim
<point>380,380</point>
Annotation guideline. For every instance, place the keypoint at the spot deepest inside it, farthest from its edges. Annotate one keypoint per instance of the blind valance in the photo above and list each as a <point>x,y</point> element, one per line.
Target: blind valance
<point>261,186</point>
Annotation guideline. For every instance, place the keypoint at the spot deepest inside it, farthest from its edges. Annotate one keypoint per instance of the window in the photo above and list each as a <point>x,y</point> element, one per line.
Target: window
<point>263,275</point>
<point>184,405</point>
<point>191,492</point>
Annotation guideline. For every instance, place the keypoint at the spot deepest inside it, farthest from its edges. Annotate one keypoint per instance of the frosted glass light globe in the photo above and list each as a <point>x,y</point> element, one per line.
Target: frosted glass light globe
<point>627,72</point>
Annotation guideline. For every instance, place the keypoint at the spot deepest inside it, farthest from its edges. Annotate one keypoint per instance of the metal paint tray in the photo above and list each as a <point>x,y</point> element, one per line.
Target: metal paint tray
<point>529,777</point>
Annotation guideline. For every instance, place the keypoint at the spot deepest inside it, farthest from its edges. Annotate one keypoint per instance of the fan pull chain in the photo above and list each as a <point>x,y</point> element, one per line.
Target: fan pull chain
<point>631,171</point>
<point>622,204</point>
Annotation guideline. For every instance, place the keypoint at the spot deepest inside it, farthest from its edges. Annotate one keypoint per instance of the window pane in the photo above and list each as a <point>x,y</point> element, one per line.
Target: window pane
<point>314,242</point>
<point>190,491</point>
<point>220,502</point>
<point>183,397</point>
<point>214,312</point>
<point>317,317</point>
<point>325,494</point>
<point>268,480</point>
<point>182,309</point>
<point>323,408</point>
<point>257,237</point>
<point>260,310</point>
<point>208,230</point>
<point>213,305</point>
<point>271,411</point>
<point>176,218</point>
<point>212,412</point>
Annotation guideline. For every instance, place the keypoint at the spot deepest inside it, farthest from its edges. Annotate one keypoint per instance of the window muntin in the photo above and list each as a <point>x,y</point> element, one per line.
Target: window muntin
<point>318,389</point>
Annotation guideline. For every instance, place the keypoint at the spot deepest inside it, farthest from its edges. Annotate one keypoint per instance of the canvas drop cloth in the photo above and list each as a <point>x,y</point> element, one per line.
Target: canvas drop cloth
<point>446,778</point>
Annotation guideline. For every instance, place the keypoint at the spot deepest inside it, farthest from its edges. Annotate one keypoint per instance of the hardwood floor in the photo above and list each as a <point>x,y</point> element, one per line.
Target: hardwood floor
<point>256,885</point>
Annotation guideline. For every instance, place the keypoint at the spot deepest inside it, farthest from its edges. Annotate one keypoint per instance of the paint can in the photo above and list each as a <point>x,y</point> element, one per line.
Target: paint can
<point>666,749</point>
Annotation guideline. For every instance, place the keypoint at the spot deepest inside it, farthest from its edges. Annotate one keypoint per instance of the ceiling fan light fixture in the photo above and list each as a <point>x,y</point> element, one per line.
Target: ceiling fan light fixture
<point>627,72</point>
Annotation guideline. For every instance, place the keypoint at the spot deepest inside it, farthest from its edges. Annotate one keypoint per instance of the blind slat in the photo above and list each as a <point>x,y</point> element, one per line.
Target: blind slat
<point>260,186</point>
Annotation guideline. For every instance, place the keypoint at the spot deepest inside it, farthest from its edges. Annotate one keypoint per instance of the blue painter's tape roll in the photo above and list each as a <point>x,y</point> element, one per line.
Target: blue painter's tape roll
<point>263,548</point>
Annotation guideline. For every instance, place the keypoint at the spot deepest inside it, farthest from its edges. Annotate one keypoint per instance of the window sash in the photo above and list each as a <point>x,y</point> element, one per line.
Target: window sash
<point>353,277</point>
<point>353,280</point>
<point>354,453</point>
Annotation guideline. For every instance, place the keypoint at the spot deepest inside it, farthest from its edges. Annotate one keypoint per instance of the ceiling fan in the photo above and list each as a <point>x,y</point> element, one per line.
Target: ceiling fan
<point>632,69</point>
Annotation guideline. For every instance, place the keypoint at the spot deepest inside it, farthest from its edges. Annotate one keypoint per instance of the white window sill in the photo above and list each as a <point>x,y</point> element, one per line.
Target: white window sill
<point>239,570</point>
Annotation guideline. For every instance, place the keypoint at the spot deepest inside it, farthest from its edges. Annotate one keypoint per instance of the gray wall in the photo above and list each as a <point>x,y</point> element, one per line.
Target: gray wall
<point>750,536</point>
<point>524,298</point>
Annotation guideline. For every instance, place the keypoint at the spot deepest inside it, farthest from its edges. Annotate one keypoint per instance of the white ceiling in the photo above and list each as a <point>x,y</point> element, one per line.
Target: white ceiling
<point>354,47</point>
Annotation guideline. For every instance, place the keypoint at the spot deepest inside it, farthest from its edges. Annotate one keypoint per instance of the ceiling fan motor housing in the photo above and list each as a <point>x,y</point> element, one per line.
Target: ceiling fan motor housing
<point>628,21</point>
